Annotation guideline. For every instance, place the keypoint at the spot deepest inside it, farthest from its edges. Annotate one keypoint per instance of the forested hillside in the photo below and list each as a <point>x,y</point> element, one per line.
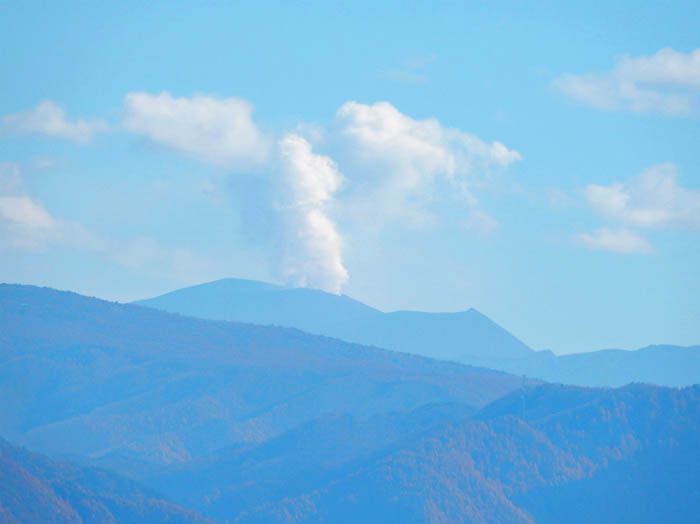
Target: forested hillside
<point>555,454</point>
<point>247,423</point>
<point>129,385</point>
<point>35,489</point>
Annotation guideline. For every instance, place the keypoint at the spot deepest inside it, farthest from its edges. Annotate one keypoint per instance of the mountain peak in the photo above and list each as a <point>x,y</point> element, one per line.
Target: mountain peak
<point>467,336</point>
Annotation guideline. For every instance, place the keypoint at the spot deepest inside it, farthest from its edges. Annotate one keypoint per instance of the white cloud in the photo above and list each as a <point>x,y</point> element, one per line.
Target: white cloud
<point>49,119</point>
<point>220,131</point>
<point>24,212</point>
<point>402,159</point>
<point>667,82</point>
<point>621,241</point>
<point>24,223</point>
<point>313,251</point>
<point>425,145</point>
<point>653,199</point>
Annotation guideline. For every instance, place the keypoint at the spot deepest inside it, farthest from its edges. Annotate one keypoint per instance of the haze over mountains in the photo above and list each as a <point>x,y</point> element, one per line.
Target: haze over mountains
<point>551,455</point>
<point>247,423</point>
<point>123,383</point>
<point>468,337</point>
<point>454,336</point>
<point>34,488</point>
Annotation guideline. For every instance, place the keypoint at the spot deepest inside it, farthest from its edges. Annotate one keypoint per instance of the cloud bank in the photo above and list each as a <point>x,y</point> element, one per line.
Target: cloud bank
<point>667,82</point>
<point>49,119</point>
<point>402,162</point>
<point>396,169</point>
<point>24,223</point>
<point>621,241</point>
<point>219,131</point>
<point>651,200</point>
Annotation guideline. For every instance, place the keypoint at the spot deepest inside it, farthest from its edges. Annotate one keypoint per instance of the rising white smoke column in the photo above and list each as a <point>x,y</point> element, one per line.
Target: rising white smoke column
<point>313,251</point>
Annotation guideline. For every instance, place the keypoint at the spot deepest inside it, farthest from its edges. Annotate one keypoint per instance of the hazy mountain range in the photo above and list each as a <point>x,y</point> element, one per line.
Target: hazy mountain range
<point>34,488</point>
<point>122,383</point>
<point>468,337</point>
<point>249,423</point>
<point>569,455</point>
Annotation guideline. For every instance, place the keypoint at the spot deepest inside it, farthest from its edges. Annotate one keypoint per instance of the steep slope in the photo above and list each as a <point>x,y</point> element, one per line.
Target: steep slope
<point>551,454</point>
<point>466,336</point>
<point>36,490</point>
<point>133,387</point>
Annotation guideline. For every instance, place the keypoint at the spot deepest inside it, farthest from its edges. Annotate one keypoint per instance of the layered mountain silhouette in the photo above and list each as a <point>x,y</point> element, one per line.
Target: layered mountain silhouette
<point>249,423</point>
<point>128,386</point>
<point>549,455</point>
<point>467,337</point>
<point>35,489</point>
<point>543,454</point>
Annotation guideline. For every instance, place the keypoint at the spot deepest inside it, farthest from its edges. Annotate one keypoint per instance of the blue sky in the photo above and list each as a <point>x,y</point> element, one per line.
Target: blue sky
<point>536,161</point>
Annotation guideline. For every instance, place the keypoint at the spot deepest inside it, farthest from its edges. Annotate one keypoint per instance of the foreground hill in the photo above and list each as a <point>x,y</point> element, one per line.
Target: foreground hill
<point>246,423</point>
<point>37,490</point>
<point>468,337</point>
<point>236,481</point>
<point>553,454</point>
<point>132,387</point>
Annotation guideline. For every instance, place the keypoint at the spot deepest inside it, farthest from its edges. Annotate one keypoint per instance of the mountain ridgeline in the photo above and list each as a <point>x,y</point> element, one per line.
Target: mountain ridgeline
<point>451,336</point>
<point>145,413</point>
<point>129,385</point>
<point>467,337</point>
<point>550,454</point>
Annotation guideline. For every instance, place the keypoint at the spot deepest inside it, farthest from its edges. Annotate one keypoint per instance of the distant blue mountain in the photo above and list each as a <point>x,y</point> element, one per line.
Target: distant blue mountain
<point>468,337</point>
<point>130,385</point>
<point>664,365</point>
<point>248,423</point>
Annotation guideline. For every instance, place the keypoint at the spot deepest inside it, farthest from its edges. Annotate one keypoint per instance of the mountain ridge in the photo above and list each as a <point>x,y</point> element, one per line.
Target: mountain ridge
<point>250,423</point>
<point>465,336</point>
<point>343,317</point>
<point>83,376</point>
<point>499,467</point>
<point>35,488</point>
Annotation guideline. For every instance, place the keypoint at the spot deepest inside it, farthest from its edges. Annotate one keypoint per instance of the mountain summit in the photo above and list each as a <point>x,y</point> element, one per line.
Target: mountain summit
<point>466,336</point>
